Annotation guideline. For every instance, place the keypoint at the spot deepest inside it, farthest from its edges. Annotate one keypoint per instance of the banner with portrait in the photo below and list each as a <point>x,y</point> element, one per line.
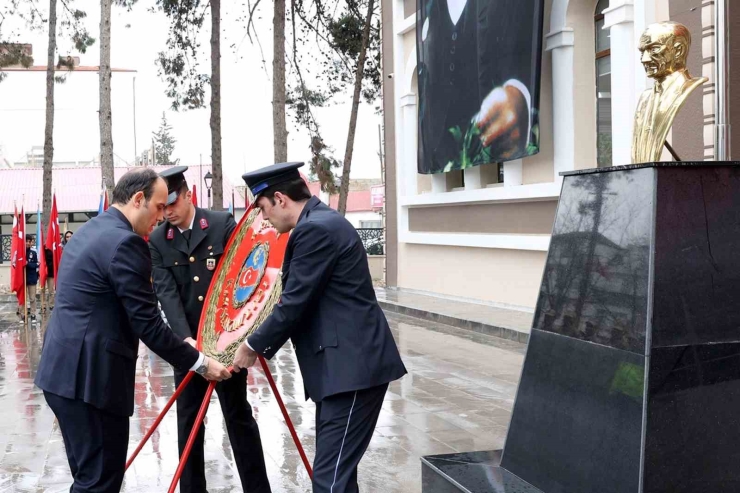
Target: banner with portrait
<point>478,66</point>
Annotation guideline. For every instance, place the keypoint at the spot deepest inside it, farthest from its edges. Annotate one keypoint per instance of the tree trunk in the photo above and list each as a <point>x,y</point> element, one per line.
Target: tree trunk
<point>344,187</point>
<point>218,180</point>
<point>279,128</point>
<point>49,128</point>
<point>105,115</point>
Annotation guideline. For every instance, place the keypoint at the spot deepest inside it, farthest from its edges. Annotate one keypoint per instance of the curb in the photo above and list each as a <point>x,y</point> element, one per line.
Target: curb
<point>460,323</point>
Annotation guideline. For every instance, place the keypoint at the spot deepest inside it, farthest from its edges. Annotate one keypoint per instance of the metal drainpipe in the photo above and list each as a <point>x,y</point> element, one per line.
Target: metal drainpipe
<point>722,135</point>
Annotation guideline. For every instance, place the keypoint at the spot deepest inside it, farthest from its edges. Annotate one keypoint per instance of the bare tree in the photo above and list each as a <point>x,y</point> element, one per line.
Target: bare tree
<point>105,116</point>
<point>49,127</point>
<point>280,130</point>
<point>344,187</point>
<point>218,177</point>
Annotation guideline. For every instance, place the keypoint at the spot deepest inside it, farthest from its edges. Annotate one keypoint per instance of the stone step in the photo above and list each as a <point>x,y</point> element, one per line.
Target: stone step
<point>491,320</point>
<point>470,472</point>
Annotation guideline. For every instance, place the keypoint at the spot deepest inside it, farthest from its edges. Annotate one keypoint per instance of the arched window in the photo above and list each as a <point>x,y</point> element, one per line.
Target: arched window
<point>603,88</point>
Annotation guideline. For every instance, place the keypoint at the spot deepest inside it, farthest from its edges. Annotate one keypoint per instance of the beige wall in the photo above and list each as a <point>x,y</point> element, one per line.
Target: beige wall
<point>517,218</point>
<point>389,143</point>
<point>376,263</point>
<point>510,277</point>
<point>5,274</point>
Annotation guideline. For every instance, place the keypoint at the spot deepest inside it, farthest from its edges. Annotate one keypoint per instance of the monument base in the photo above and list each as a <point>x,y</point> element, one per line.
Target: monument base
<point>470,472</point>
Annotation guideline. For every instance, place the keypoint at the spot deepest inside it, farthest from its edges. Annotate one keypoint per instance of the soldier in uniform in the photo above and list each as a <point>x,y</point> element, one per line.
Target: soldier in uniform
<point>328,308</point>
<point>185,250</point>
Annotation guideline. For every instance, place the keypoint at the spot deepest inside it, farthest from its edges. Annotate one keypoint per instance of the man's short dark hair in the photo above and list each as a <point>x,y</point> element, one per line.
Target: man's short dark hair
<point>30,238</point>
<point>139,180</point>
<point>296,189</point>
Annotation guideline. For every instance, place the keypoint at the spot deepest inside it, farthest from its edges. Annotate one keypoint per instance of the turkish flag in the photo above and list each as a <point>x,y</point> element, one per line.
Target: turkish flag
<point>54,239</point>
<point>195,197</point>
<point>18,258</point>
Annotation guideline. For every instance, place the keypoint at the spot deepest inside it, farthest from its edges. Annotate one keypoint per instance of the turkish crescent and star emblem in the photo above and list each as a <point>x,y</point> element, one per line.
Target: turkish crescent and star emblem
<point>246,286</point>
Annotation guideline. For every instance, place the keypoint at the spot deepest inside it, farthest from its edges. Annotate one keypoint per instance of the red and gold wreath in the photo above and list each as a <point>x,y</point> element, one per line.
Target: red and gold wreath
<point>245,288</point>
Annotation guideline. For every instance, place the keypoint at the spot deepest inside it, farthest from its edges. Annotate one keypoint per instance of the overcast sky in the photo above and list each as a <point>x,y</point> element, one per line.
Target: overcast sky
<point>137,37</point>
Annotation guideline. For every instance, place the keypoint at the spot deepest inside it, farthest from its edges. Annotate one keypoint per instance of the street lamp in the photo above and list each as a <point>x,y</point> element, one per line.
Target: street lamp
<point>207,179</point>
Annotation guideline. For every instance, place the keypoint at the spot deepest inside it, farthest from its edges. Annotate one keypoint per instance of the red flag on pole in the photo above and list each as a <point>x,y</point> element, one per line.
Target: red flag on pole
<point>54,239</point>
<point>13,252</point>
<point>18,258</point>
<point>195,197</point>
<point>105,202</point>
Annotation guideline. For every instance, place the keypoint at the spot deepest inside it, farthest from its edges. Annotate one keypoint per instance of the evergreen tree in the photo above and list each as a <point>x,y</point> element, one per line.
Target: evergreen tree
<point>164,143</point>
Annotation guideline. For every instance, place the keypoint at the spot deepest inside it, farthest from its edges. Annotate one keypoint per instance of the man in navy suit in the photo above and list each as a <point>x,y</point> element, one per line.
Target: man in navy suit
<point>342,340</point>
<point>105,304</point>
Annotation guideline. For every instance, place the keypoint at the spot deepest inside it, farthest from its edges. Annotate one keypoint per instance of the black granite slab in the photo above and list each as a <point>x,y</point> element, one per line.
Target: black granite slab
<point>474,472</point>
<point>663,164</point>
<point>693,421</point>
<point>577,421</point>
<point>697,256</point>
<point>631,382</point>
<point>595,284</point>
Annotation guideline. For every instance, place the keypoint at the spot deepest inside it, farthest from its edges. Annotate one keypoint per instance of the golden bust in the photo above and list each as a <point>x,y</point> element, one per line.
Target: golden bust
<point>664,49</point>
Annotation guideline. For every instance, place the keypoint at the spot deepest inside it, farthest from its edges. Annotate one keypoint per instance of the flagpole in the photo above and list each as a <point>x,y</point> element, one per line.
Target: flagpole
<point>25,291</point>
<point>40,243</point>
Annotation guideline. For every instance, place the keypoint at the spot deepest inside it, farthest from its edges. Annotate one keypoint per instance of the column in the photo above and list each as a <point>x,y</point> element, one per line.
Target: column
<point>408,163</point>
<point>619,19</point>
<point>513,173</point>
<point>560,44</point>
<point>473,178</point>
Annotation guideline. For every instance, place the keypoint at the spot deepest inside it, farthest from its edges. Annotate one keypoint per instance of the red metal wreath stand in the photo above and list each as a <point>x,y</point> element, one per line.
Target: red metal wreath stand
<point>202,414</point>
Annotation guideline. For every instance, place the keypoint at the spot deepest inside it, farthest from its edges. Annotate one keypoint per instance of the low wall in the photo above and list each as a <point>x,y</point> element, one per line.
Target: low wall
<point>377,264</point>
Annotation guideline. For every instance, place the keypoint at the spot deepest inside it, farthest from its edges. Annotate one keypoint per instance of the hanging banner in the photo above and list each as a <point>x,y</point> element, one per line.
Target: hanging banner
<point>478,66</point>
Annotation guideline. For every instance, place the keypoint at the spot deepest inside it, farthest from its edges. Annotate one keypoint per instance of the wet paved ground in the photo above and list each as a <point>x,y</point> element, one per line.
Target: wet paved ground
<point>457,396</point>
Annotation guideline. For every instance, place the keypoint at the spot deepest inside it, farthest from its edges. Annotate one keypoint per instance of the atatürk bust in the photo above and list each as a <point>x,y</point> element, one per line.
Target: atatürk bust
<point>664,49</point>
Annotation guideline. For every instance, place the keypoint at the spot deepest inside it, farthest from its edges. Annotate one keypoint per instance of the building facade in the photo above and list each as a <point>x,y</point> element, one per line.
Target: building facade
<point>483,233</point>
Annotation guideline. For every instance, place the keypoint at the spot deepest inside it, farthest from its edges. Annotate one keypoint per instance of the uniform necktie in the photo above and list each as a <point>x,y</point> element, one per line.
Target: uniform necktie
<point>186,234</point>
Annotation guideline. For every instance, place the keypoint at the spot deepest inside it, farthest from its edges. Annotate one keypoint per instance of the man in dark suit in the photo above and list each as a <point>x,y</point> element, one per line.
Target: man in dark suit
<point>342,340</point>
<point>185,251</point>
<point>104,306</point>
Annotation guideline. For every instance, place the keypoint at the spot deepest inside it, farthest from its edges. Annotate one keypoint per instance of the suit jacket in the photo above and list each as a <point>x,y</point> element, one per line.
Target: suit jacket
<point>328,308</point>
<point>183,272</point>
<point>104,305</point>
<point>32,267</point>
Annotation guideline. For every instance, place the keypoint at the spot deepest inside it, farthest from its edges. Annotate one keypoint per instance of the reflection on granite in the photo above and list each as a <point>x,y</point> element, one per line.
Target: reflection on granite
<point>595,282</point>
<point>693,435</point>
<point>475,472</point>
<point>577,419</point>
<point>697,265</point>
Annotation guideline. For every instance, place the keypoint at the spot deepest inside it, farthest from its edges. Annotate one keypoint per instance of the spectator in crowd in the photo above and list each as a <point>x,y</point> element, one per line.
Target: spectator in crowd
<point>32,277</point>
<point>67,237</point>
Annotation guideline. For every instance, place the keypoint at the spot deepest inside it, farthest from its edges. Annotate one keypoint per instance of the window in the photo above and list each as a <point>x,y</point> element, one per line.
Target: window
<point>370,224</point>
<point>603,88</point>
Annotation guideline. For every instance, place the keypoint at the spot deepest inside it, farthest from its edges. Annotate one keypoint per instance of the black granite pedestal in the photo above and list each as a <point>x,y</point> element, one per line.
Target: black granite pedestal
<point>631,383</point>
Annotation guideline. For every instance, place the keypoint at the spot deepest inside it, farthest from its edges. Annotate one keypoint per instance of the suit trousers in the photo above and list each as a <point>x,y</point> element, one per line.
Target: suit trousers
<point>244,434</point>
<point>345,423</point>
<point>95,442</point>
